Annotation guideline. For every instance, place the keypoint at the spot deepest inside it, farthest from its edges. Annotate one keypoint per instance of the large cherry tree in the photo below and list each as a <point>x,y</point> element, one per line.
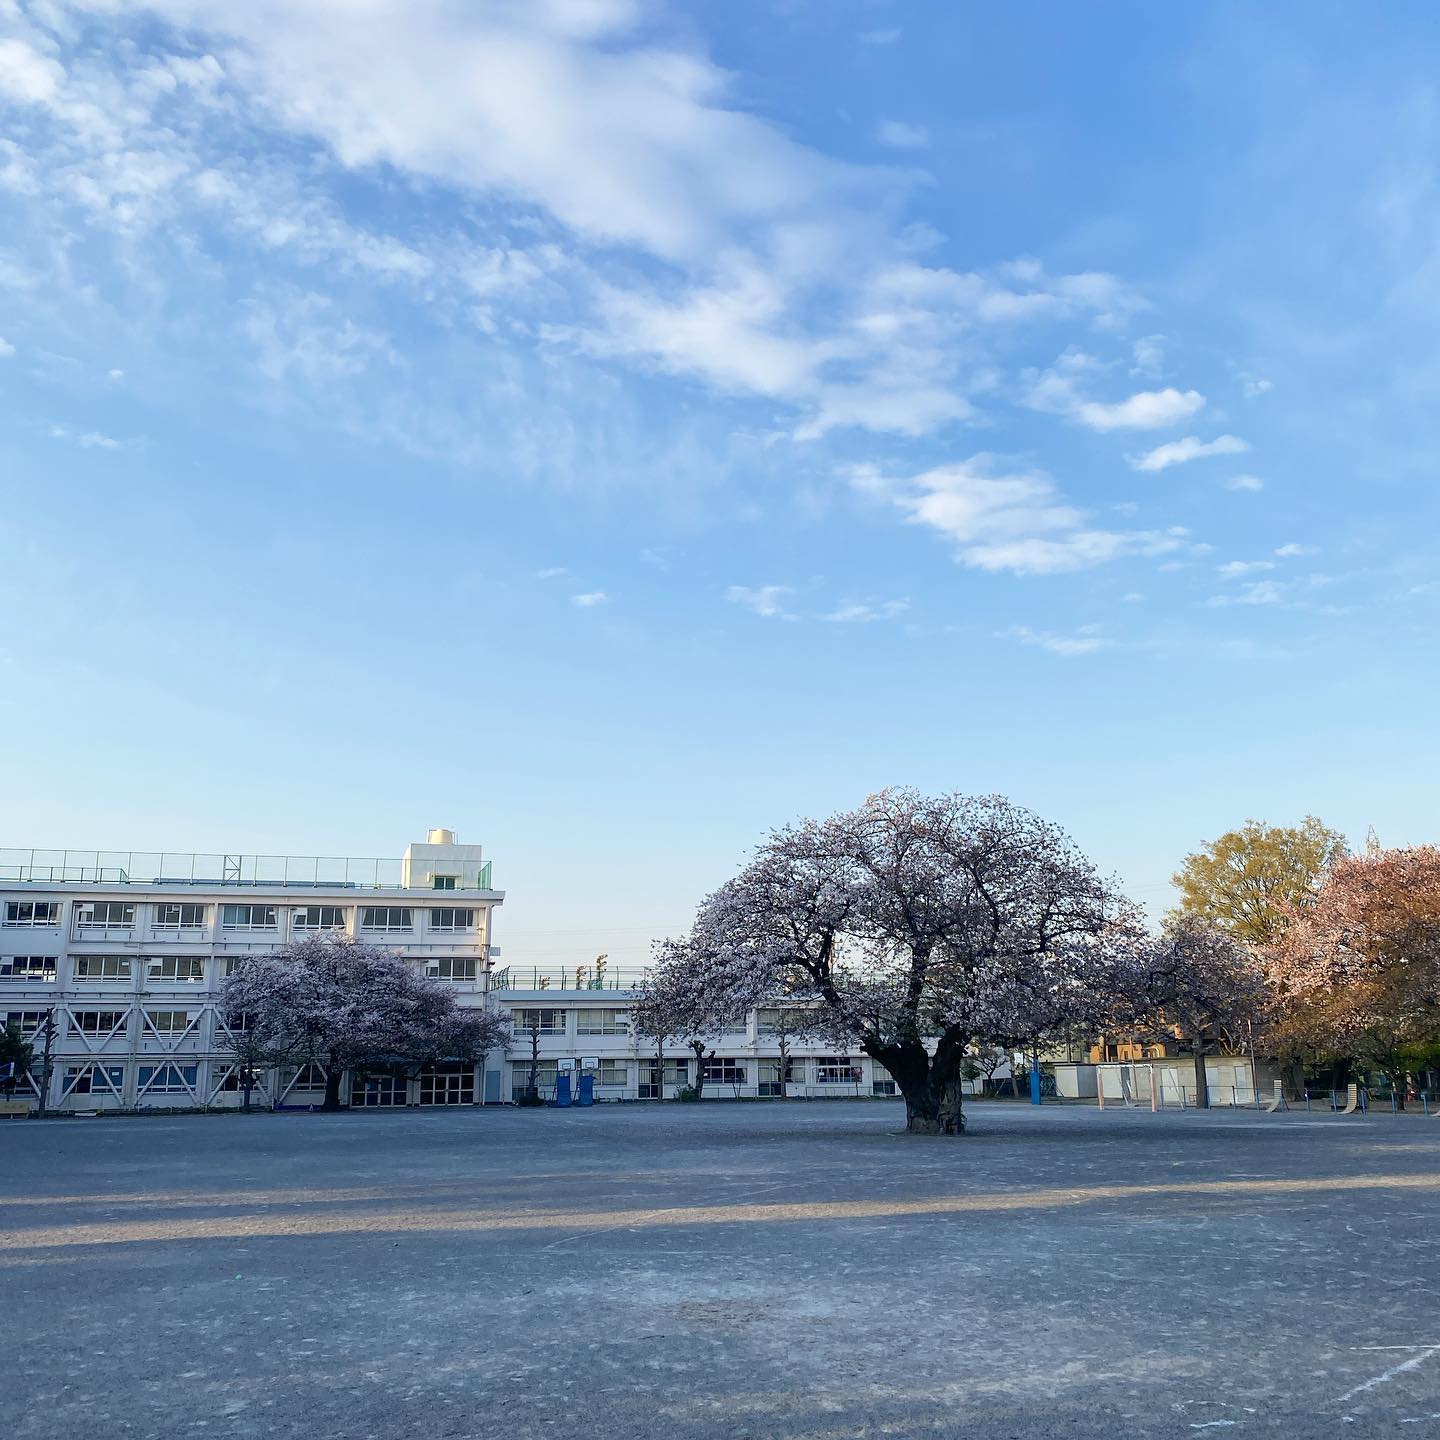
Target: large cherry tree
<point>914,926</point>
<point>1358,972</point>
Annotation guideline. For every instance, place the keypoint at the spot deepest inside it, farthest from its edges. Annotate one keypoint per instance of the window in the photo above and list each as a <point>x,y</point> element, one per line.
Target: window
<point>548,1022</point>
<point>545,1074</point>
<point>179,969</point>
<point>228,964</point>
<point>676,1073</point>
<point>601,1022</point>
<point>27,1022</point>
<point>102,967</point>
<point>443,882</point>
<point>444,918</point>
<point>94,1079</point>
<point>774,1022</point>
<point>310,1077</point>
<point>247,917</point>
<point>387,917</point>
<point>451,967</point>
<point>169,1022</point>
<point>98,1022</point>
<point>612,1072</point>
<point>724,1072</point>
<point>179,917</point>
<point>234,1078</point>
<point>771,1081</point>
<point>27,967</point>
<point>836,1070</point>
<point>32,912</point>
<point>167,1079</point>
<point>113,914</point>
<point>319,917</point>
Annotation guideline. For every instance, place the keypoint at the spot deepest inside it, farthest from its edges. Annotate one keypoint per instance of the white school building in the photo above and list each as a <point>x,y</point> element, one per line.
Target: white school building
<point>115,959</point>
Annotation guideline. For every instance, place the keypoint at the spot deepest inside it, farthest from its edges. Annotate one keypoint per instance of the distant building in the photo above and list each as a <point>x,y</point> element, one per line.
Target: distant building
<point>124,953</point>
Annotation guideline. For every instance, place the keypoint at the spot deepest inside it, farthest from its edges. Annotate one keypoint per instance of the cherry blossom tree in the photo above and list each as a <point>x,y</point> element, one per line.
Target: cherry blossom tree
<point>1358,972</point>
<point>342,1003</point>
<point>916,926</point>
<point>1197,983</point>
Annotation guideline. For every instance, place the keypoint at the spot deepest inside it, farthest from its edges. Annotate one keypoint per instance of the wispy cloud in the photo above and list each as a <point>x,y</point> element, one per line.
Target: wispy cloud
<point>1258,592</point>
<point>1292,549</point>
<point>1087,640</point>
<point>902,136</point>
<point>1015,521</point>
<point>1244,482</point>
<point>865,612</point>
<point>86,439</point>
<point>1181,452</point>
<point>6,348</point>
<point>589,599</point>
<point>1232,569</point>
<point>766,600</point>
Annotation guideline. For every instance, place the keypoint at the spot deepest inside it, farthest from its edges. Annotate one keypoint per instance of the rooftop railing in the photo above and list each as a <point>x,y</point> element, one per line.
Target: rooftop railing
<point>568,979</point>
<point>187,867</point>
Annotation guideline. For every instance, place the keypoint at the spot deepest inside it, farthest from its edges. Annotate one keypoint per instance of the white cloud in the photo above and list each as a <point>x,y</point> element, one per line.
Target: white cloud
<point>672,228</point>
<point>1086,641</point>
<point>114,376</point>
<point>864,613</point>
<point>1180,452</point>
<point>1059,391</point>
<point>1147,410</point>
<point>902,136</point>
<point>590,599</point>
<point>1016,522</point>
<point>1256,386</point>
<point>1289,551</point>
<point>766,600</point>
<point>26,75</point>
<point>1245,482</point>
<point>552,572</point>
<point>1234,568</point>
<point>6,348</point>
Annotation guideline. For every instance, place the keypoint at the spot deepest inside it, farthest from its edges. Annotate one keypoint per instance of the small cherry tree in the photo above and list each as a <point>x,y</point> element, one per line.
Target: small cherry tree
<point>1198,983</point>
<point>916,926</point>
<point>340,1002</point>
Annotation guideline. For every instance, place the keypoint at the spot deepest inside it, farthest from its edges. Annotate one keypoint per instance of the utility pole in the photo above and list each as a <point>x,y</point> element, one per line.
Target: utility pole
<point>47,1064</point>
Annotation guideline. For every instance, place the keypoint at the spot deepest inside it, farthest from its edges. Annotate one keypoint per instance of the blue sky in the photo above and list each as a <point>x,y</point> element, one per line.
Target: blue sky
<point>613,428</point>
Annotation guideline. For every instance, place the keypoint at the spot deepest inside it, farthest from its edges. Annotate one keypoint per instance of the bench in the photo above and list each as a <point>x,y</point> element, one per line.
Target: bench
<point>14,1109</point>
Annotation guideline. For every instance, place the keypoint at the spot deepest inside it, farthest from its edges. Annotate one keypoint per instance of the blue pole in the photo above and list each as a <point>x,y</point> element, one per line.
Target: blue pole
<point>1034,1081</point>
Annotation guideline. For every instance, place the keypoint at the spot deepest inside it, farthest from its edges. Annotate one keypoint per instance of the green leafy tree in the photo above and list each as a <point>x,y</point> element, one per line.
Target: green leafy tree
<point>15,1050</point>
<point>1252,881</point>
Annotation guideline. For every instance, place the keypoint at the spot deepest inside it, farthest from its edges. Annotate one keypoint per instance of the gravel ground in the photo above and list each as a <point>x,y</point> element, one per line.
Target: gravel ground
<point>783,1269</point>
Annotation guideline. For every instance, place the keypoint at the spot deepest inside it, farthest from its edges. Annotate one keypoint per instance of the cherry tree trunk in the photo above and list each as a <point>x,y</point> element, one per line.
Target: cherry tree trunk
<point>332,1087</point>
<point>1202,1086</point>
<point>931,1087</point>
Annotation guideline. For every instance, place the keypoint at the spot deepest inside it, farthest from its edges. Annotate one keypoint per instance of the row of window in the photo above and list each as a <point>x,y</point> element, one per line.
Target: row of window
<point>617,1022</point>
<point>184,969</point>
<point>719,1070</point>
<point>120,915</point>
<point>587,1022</point>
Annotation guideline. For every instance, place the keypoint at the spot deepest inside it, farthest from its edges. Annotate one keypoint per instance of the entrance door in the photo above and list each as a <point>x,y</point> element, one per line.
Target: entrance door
<point>448,1085</point>
<point>373,1091</point>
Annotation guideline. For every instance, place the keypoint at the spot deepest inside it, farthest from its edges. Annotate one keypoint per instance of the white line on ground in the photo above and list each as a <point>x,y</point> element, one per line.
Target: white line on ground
<point>1386,1376</point>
